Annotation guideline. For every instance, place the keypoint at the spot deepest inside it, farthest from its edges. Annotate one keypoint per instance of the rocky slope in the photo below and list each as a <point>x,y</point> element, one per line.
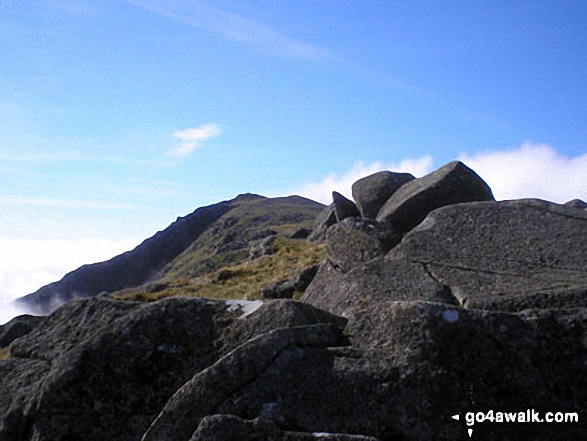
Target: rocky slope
<point>435,300</point>
<point>209,238</point>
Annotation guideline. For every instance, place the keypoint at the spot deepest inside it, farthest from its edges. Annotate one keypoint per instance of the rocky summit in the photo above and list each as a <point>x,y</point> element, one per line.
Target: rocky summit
<point>421,310</point>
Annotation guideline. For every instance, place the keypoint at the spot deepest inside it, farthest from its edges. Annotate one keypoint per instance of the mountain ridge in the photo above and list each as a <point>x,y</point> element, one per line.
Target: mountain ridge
<point>146,261</point>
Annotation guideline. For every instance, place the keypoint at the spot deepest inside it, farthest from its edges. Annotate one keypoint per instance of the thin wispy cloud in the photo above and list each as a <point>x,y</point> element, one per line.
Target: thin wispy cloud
<point>202,15</point>
<point>191,139</point>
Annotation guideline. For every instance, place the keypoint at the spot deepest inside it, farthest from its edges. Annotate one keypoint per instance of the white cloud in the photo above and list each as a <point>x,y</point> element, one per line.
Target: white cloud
<point>28,264</point>
<point>202,15</point>
<point>531,171</point>
<point>191,139</point>
<point>322,191</point>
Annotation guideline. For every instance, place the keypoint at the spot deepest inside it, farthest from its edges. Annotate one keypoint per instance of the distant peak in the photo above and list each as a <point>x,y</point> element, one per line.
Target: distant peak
<point>248,197</point>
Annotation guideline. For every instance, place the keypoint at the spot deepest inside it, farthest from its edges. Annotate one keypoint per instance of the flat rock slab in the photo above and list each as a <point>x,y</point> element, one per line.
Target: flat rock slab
<point>378,280</point>
<point>490,253</point>
<point>452,184</point>
<point>371,192</point>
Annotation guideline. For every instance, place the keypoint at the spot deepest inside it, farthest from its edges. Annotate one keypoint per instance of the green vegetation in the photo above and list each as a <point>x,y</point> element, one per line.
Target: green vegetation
<point>243,279</point>
<point>5,353</point>
<point>226,241</point>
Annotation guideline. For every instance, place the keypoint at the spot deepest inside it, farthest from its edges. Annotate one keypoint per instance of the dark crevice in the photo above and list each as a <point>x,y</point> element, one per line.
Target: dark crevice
<point>445,294</point>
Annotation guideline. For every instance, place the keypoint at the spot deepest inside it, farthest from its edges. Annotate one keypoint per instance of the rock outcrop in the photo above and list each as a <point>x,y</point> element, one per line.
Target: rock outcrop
<point>448,303</point>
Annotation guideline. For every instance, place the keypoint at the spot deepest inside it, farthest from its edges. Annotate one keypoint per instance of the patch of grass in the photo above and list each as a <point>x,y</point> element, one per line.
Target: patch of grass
<point>241,280</point>
<point>5,353</point>
<point>226,241</point>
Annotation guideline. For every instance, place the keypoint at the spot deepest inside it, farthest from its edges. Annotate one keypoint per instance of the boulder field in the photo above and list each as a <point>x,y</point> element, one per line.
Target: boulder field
<point>440,314</point>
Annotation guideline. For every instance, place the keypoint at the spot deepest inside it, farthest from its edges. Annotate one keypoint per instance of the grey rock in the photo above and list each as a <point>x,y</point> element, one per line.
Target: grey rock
<point>278,289</point>
<point>102,369</point>
<point>343,207</point>
<point>286,288</point>
<point>302,278</point>
<point>375,281</point>
<point>412,365</point>
<point>451,184</point>
<point>371,192</point>
<point>17,327</point>
<point>324,220</point>
<point>261,247</point>
<point>508,255</point>
<point>209,388</point>
<point>355,241</point>
<point>576,203</point>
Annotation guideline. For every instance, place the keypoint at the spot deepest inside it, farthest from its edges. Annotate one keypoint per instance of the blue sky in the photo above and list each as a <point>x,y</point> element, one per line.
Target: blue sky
<point>118,116</point>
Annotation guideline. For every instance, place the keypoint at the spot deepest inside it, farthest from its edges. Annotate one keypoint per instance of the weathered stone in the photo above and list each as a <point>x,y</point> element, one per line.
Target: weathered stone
<point>209,388</point>
<point>412,365</point>
<point>377,280</point>
<point>302,278</point>
<point>278,289</point>
<point>371,192</point>
<point>286,288</point>
<point>100,369</point>
<point>343,207</point>
<point>324,220</point>
<point>355,241</point>
<point>452,184</point>
<point>509,255</point>
<point>261,247</point>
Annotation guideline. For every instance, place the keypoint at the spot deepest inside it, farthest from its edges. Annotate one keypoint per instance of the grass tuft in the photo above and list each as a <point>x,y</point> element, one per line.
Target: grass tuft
<point>242,280</point>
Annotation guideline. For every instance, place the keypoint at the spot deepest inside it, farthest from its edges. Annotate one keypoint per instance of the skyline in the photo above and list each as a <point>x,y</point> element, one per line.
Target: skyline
<point>116,117</point>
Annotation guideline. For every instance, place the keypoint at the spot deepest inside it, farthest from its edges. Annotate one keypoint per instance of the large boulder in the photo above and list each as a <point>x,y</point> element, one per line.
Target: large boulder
<point>371,192</point>
<point>452,184</point>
